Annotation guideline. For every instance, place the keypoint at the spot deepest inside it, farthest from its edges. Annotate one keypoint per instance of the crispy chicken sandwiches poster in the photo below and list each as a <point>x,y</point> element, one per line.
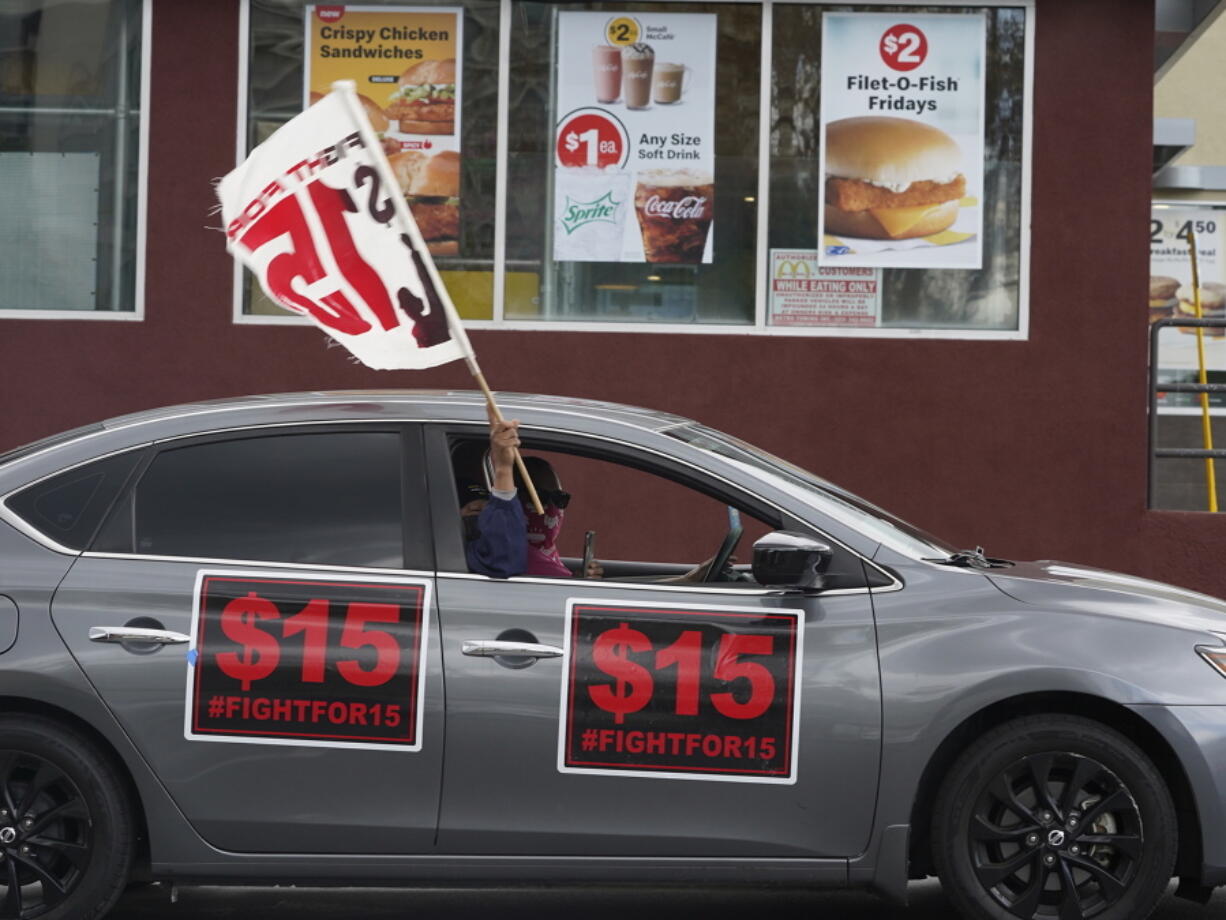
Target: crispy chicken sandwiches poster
<point>406,62</point>
<point>634,176</point>
<point>902,140</point>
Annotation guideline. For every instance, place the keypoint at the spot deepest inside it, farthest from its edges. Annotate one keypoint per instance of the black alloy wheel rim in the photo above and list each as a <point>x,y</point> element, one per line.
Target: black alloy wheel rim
<point>45,835</point>
<point>1056,835</point>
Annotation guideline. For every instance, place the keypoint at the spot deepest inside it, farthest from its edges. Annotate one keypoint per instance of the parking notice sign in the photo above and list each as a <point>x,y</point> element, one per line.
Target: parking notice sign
<point>685,692</point>
<point>318,661</point>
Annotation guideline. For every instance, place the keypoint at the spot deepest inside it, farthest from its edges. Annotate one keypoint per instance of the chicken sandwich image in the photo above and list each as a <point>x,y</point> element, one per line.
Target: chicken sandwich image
<point>431,184</point>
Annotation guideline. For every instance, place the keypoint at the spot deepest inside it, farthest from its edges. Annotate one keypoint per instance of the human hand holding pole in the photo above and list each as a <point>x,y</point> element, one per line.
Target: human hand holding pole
<point>504,451</point>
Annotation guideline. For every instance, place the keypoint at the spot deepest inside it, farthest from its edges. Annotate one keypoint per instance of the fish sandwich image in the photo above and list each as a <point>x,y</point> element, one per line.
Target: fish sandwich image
<point>891,178</point>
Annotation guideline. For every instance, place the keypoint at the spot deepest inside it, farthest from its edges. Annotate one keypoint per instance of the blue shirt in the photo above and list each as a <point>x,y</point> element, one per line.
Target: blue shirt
<point>501,547</point>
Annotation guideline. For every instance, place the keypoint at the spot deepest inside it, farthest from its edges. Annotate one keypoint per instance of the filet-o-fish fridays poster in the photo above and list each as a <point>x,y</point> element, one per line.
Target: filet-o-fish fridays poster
<point>902,140</point>
<point>406,62</point>
<point>634,179</point>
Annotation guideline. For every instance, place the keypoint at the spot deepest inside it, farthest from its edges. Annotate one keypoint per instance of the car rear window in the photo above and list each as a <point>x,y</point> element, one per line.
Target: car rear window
<point>324,499</point>
<point>69,506</point>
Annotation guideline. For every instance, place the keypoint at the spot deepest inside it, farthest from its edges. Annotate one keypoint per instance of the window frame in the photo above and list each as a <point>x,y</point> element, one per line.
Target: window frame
<point>417,543</point>
<point>760,325</point>
<point>137,313</point>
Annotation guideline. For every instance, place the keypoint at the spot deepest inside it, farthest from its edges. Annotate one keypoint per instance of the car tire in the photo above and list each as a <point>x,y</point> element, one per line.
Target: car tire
<point>66,829</point>
<point>1054,816</point>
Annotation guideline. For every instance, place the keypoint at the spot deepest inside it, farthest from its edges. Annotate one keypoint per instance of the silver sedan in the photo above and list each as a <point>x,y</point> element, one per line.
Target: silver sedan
<point>244,641</point>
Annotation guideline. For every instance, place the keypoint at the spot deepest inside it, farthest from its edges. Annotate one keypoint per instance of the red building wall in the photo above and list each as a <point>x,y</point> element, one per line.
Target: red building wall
<point>1033,449</point>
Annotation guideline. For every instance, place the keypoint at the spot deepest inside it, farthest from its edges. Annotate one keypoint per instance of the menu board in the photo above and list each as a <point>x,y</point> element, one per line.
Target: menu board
<point>407,63</point>
<point>634,176</point>
<point>902,148</point>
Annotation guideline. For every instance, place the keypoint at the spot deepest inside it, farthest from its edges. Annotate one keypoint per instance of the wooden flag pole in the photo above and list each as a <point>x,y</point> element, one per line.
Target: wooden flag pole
<point>497,413</point>
<point>348,91</point>
<point>1205,425</point>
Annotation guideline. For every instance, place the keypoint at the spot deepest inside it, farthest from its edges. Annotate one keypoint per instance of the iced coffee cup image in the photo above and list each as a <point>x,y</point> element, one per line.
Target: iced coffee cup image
<point>637,64</point>
<point>607,72</point>
<point>675,208</point>
<point>669,82</point>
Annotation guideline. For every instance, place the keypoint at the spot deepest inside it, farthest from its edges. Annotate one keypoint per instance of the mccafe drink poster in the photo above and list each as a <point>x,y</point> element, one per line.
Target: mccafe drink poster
<point>902,140</point>
<point>406,62</point>
<point>634,176</point>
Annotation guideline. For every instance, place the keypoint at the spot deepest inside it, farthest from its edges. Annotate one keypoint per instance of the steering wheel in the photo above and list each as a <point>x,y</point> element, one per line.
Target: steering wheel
<point>719,562</point>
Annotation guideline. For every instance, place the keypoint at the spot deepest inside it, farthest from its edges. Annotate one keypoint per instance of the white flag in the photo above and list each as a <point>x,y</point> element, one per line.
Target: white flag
<point>316,214</point>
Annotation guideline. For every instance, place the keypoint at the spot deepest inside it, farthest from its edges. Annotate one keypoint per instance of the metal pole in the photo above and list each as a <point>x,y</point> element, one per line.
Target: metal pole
<point>119,173</point>
<point>1205,423</point>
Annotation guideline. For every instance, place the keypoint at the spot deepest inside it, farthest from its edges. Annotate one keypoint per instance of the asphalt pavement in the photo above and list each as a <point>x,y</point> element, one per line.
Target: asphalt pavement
<point>617,903</point>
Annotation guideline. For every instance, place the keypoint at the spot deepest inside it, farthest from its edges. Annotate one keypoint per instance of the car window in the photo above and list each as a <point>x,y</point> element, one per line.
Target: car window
<point>68,507</point>
<point>638,515</point>
<point>649,524</point>
<point>862,515</point>
<point>326,499</point>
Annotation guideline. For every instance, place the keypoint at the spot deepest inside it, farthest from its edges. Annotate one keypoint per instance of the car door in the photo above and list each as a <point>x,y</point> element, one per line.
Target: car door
<point>298,705</point>
<point>672,719</point>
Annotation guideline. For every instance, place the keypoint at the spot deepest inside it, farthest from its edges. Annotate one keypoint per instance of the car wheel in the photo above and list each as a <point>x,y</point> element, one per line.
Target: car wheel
<point>1054,816</point>
<point>66,835</point>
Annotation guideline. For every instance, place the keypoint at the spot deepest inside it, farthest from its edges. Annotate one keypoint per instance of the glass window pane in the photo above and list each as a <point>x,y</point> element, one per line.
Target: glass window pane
<point>985,299</point>
<point>69,507</point>
<point>275,93</point>
<point>69,139</point>
<point>538,287</point>
<point>327,499</point>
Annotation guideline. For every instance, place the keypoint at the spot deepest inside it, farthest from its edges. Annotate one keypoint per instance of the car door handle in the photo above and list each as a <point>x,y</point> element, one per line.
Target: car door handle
<point>493,648</point>
<point>136,634</point>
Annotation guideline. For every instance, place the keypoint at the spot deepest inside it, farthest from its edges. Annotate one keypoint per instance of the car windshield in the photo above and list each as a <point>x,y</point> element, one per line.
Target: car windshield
<point>850,509</point>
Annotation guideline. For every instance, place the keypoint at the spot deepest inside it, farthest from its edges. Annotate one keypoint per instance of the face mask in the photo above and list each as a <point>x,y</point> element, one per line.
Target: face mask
<point>543,529</point>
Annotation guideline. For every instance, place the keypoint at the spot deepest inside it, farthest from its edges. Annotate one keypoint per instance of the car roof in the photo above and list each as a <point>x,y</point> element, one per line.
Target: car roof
<point>337,405</point>
<point>379,404</point>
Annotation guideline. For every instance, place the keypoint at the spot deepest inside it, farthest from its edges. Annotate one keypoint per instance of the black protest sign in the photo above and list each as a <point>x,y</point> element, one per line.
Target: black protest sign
<point>318,661</point>
<point>686,691</point>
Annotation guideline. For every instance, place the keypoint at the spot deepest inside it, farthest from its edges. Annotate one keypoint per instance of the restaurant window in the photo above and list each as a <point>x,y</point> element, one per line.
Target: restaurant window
<point>633,170</point>
<point>428,73</point>
<point>871,294</point>
<point>71,131</point>
<point>629,166</point>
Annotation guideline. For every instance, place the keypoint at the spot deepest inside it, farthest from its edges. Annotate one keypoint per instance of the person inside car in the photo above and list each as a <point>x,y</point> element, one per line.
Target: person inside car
<point>503,535</point>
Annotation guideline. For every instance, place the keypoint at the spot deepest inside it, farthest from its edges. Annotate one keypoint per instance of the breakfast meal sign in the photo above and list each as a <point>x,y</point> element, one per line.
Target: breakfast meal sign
<point>902,140</point>
<point>634,167</point>
<point>1171,295</point>
<point>406,62</point>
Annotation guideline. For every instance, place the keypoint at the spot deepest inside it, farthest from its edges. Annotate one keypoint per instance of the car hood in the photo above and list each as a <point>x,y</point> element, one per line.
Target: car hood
<point>1051,584</point>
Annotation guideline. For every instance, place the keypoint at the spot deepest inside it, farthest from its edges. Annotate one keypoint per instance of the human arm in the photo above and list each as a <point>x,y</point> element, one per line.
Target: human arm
<point>501,546</point>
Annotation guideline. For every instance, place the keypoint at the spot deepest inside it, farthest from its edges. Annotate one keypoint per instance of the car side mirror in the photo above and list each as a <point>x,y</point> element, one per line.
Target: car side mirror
<point>785,559</point>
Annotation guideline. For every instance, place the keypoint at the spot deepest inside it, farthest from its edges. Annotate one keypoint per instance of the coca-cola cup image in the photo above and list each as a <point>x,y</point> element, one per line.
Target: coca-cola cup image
<point>675,208</point>
<point>637,63</point>
<point>607,72</point>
